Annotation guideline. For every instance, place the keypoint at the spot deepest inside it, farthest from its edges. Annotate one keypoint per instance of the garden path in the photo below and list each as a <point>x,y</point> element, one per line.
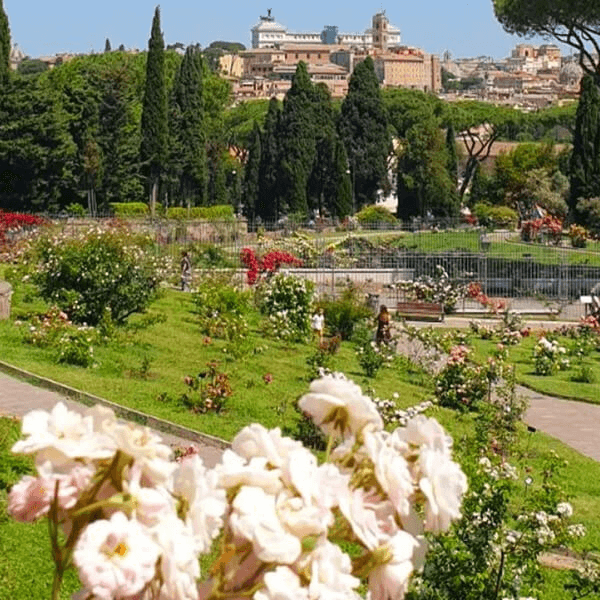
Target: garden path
<point>19,397</point>
<point>574,423</point>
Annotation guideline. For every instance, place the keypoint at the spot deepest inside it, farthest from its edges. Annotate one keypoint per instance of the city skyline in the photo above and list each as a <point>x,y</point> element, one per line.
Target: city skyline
<point>464,28</point>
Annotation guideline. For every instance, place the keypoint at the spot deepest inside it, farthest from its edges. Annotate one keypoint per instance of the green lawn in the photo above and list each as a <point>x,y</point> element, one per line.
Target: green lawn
<point>175,349</point>
<point>559,384</point>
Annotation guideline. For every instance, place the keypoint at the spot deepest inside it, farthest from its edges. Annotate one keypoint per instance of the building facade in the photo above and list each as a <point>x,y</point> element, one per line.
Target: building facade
<point>268,33</point>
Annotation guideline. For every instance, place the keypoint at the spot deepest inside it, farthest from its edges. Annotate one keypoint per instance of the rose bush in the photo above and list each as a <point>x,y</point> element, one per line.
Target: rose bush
<point>134,523</point>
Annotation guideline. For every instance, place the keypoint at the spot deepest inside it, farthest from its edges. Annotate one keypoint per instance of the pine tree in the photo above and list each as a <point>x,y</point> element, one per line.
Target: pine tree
<point>268,205</point>
<point>187,130</point>
<point>251,175</point>
<point>153,147</point>
<point>363,128</point>
<point>585,157</point>
<point>4,46</point>
<point>107,46</point>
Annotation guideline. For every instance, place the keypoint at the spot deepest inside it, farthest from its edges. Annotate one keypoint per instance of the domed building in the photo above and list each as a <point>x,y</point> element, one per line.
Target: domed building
<point>570,74</point>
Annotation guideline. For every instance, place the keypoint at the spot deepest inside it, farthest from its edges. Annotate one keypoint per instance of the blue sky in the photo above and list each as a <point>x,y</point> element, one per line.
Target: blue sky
<point>464,27</point>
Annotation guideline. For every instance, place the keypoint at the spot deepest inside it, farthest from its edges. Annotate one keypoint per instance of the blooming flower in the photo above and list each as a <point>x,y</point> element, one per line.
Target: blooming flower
<point>115,558</point>
<point>338,406</point>
<point>282,584</point>
<point>443,483</point>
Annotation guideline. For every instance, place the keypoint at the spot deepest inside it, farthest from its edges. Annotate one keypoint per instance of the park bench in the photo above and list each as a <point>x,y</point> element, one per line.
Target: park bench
<point>420,310</point>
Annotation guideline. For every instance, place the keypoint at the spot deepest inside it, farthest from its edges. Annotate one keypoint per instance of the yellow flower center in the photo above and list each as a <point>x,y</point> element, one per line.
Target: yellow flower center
<point>121,549</point>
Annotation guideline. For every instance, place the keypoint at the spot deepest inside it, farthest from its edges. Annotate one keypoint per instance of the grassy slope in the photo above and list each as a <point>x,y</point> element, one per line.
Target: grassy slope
<point>559,384</point>
<point>175,349</point>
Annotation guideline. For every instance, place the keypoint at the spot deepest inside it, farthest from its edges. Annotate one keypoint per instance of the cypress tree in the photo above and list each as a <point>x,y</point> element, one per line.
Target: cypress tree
<point>452,155</point>
<point>153,147</point>
<point>341,205</point>
<point>585,157</point>
<point>187,130</point>
<point>251,175</point>
<point>268,206</point>
<point>4,45</point>
<point>298,147</point>
<point>107,46</point>
<point>363,128</point>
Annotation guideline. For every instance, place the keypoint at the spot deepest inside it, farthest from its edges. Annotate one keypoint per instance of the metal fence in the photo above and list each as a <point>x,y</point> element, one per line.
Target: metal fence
<point>377,257</point>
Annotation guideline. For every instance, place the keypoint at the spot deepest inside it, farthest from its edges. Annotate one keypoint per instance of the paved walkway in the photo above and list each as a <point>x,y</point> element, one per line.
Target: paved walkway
<point>576,424</point>
<point>18,398</point>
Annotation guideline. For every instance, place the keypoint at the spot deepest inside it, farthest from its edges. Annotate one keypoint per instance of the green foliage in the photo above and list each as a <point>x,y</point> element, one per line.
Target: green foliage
<point>187,132</point>
<point>205,213</point>
<point>496,216</point>
<point>129,209</point>
<point>585,157</point>
<point>364,131</point>
<point>343,314</point>
<point>252,175</point>
<point>4,46</point>
<point>153,148</point>
<point>32,67</point>
<point>269,206</point>
<point>103,270</point>
<point>588,210</point>
<point>375,214</point>
<point>287,301</point>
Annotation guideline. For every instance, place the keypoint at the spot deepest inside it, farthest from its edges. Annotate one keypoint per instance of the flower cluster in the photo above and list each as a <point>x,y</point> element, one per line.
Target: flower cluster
<point>548,228</point>
<point>267,265</point>
<point>135,522</point>
<point>390,413</point>
<point>438,289</point>
<point>459,384</point>
<point>73,343</point>
<point>288,303</point>
<point>372,356</point>
<point>549,357</point>
<point>15,223</point>
<point>493,305</point>
<point>578,236</point>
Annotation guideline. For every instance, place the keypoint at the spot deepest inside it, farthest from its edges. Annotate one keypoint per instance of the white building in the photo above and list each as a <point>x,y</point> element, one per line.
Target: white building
<point>268,34</point>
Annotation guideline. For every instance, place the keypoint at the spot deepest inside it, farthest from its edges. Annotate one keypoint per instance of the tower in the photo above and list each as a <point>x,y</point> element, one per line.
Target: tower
<point>380,31</point>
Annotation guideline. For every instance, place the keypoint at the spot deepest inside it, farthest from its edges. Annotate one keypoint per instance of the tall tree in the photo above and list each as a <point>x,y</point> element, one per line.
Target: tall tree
<point>187,129</point>
<point>585,157</point>
<point>298,147</point>
<point>571,22</point>
<point>153,148</point>
<point>251,175</point>
<point>4,45</point>
<point>452,155</point>
<point>424,184</point>
<point>268,205</point>
<point>363,128</point>
<point>107,46</point>
<point>340,197</point>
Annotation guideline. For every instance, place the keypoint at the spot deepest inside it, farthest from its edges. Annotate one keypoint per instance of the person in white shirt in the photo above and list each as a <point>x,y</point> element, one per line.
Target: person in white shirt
<point>317,324</point>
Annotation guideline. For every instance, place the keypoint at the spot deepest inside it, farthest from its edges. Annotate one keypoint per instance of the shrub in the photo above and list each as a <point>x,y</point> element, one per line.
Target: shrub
<point>496,216</point>
<point>265,267</point>
<point>76,209</point>
<point>341,315</point>
<point>460,385</point>
<point>540,230</point>
<point>578,236</point>
<point>588,211</point>
<point>129,209</point>
<point>287,301</point>
<point>438,289</point>
<point>371,215</point>
<point>101,270</point>
<point>549,357</point>
<point>221,212</point>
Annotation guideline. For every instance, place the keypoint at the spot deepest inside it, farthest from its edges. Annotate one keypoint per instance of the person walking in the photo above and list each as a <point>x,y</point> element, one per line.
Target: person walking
<point>186,271</point>
<point>383,326</point>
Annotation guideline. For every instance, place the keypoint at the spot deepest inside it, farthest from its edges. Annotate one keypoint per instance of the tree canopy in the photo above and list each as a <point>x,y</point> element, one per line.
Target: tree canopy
<point>572,22</point>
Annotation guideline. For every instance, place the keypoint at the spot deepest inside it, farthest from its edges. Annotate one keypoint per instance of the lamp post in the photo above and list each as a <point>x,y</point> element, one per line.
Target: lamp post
<point>348,172</point>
